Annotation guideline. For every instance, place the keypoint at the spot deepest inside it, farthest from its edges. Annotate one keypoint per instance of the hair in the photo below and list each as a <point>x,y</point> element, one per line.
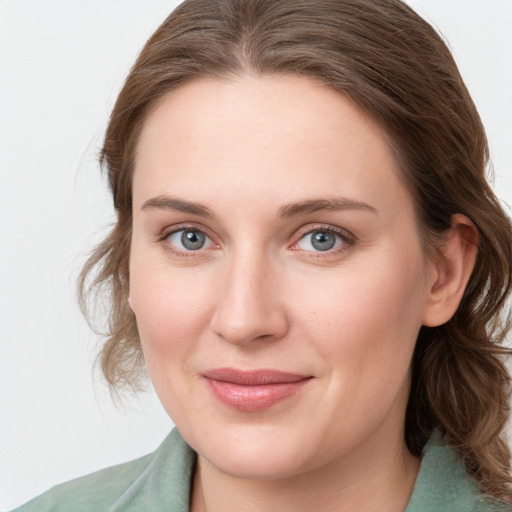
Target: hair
<point>394,66</point>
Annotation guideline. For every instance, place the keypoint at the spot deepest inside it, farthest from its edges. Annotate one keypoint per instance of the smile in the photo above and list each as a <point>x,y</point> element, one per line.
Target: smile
<point>253,390</point>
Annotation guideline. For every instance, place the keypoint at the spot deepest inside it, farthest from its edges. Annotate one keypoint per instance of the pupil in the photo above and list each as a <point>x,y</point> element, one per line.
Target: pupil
<point>192,240</point>
<point>322,240</point>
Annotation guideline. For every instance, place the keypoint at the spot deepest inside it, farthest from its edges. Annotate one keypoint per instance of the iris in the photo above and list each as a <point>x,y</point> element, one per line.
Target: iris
<point>323,240</point>
<point>192,240</point>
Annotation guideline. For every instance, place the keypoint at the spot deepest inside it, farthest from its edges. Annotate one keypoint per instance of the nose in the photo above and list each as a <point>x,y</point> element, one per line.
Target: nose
<point>250,307</point>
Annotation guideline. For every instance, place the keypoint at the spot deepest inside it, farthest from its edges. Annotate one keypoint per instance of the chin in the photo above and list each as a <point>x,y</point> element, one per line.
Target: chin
<point>273,451</point>
<point>259,452</point>
<point>272,461</point>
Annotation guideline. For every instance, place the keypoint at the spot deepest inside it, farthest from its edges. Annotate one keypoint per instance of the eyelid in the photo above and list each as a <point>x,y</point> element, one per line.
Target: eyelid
<point>169,230</point>
<point>348,238</point>
<point>176,251</point>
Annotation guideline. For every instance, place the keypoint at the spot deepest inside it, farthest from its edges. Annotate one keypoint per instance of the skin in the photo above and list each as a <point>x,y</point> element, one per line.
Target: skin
<point>258,294</point>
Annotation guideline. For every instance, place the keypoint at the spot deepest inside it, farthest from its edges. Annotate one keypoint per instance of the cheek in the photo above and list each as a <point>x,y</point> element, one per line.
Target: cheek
<point>172,312</point>
<point>366,319</point>
<point>171,308</point>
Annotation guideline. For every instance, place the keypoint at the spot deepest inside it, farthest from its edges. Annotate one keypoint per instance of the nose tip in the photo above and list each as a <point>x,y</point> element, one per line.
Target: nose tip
<point>239,333</point>
<point>249,309</point>
<point>241,324</point>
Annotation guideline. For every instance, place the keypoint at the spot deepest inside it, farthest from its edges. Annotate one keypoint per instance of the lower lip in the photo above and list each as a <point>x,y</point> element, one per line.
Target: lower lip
<point>253,398</point>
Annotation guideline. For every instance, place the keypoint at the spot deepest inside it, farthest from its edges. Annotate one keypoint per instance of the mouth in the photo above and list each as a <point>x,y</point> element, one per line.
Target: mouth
<point>253,390</point>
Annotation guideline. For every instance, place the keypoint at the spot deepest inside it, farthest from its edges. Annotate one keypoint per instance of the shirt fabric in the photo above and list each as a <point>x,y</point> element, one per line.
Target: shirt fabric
<point>161,482</point>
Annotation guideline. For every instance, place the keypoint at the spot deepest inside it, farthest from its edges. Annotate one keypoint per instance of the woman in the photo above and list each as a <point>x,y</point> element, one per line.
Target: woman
<point>309,263</point>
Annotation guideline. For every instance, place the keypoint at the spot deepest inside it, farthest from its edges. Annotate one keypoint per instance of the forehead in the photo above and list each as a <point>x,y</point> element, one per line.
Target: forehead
<point>262,136</point>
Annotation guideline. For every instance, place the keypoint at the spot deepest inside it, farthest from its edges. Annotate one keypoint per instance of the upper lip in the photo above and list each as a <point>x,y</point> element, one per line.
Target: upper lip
<point>258,377</point>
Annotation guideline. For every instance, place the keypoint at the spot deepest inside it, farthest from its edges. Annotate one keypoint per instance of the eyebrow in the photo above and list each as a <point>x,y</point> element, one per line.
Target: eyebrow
<point>326,204</point>
<point>286,211</point>
<point>179,205</point>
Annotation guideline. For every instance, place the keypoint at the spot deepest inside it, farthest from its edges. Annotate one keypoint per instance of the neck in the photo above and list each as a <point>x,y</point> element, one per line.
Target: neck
<point>377,477</point>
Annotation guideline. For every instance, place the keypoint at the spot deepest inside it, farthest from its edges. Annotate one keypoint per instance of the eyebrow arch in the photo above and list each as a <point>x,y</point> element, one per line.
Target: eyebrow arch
<point>329,204</point>
<point>179,205</point>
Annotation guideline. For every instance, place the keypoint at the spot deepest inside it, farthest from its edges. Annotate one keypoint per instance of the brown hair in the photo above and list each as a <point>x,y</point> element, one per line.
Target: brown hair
<point>393,65</point>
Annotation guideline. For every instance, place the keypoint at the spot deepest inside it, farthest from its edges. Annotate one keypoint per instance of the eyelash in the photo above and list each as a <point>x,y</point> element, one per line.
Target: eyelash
<point>163,238</point>
<point>348,240</point>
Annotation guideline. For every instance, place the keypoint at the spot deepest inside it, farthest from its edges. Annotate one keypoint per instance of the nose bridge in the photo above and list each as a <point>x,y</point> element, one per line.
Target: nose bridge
<point>249,307</point>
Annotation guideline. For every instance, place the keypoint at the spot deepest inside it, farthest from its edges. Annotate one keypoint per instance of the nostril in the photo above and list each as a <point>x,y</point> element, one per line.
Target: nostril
<point>249,306</point>
<point>256,327</point>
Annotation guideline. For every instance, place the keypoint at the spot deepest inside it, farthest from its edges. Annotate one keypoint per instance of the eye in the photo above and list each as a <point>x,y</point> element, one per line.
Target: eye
<point>188,240</point>
<point>321,240</point>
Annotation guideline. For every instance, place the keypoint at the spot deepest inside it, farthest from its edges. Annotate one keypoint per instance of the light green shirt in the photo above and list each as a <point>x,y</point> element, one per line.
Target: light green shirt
<point>161,482</point>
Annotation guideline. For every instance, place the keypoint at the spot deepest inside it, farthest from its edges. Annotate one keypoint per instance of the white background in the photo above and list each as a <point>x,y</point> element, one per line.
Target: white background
<point>62,63</point>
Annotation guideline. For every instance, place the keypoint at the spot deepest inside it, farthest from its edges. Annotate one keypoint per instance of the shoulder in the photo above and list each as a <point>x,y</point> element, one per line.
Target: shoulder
<point>96,489</point>
<point>444,484</point>
<point>130,486</point>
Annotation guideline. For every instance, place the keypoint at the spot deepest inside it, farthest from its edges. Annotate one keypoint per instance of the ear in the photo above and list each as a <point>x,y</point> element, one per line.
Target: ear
<point>451,271</point>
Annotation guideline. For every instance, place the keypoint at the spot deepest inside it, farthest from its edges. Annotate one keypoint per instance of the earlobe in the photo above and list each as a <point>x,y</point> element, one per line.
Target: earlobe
<point>451,271</point>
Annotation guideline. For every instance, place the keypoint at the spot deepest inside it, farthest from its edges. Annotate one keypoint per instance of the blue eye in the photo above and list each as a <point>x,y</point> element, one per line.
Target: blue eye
<point>320,240</point>
<point>189,240</point>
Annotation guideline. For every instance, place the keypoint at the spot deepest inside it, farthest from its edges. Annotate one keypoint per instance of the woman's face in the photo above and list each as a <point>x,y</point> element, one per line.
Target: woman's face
<point>276,274</point>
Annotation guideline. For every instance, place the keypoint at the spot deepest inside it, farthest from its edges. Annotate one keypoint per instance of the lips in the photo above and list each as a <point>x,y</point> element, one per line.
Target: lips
<point>253,390</point>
